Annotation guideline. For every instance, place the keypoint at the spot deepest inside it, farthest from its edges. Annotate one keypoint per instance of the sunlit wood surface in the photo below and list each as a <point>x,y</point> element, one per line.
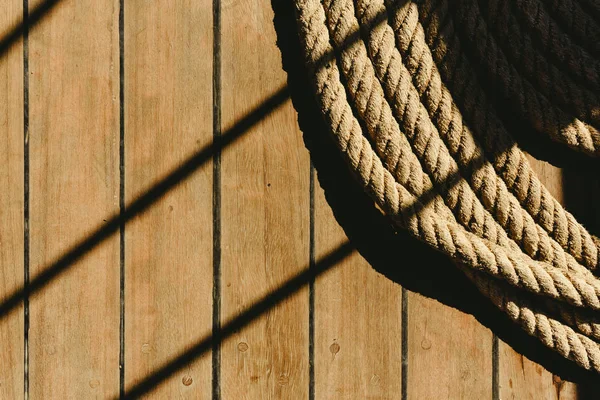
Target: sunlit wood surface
<point>98,105</point>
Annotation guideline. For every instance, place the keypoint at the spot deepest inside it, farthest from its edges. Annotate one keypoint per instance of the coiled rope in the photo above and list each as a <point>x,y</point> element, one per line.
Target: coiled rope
<point>403,87</point>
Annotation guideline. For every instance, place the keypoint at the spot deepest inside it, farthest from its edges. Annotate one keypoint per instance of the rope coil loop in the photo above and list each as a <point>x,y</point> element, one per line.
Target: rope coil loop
<point>404,89</point>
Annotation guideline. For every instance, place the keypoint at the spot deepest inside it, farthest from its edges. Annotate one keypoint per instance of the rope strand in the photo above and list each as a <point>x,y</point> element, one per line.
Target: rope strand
<point>466,190</point>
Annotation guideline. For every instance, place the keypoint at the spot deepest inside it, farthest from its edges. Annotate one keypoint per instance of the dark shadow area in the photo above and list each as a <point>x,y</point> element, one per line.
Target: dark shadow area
<point>538,144</point>
<point>581,196</point>
<point>145,201</point>
<point>386,249</point>
<point>580,172</point>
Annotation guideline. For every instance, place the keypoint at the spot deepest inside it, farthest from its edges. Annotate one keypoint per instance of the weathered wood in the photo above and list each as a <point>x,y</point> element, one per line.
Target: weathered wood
<point>11,203</point>
<point>449,353</point>
<point>520,378</point>
<point>265,214</point>
<point>168,250</point>
<point>74,186</point>
<point>358,317</point>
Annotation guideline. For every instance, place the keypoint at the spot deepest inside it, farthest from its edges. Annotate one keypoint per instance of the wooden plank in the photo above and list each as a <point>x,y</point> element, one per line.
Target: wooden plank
<point>11,203</point>
<point>168,250</point>
<point>519,377</point>
<point>265,214</point>
<point>449,347</point>
<point>74,185</point>
<point>358,317</point>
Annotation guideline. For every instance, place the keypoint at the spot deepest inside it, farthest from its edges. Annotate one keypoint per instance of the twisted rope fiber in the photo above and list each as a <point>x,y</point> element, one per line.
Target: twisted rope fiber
<point>509,162</point>
<point>576,21</point>
<point>424,167</point>
<point>575,317</point>
<point>490,189</point>
<point>549,34</point>
<point>583,323</point>
<point>527,101</point>
<point>566,93</point>
<point>377,35</point>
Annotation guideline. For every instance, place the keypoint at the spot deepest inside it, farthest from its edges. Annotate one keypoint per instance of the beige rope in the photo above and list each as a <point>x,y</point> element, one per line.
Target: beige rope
<point>509,162</point>
<point>463,188</point>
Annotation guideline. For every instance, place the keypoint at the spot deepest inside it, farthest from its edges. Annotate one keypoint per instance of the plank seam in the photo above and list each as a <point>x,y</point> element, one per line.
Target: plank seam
<point>404,339</point>
<point>311,287</point>
<point>122,197</point>
<point>216,317</point>
<point>495,369</point>
<point>26,198</point>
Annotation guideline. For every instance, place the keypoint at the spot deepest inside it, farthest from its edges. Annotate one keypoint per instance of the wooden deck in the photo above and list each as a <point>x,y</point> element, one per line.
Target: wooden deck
<point>159,201</point>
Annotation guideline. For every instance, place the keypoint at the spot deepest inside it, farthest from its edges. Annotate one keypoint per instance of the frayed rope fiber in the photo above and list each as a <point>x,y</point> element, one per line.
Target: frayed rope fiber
<point>406,89</point>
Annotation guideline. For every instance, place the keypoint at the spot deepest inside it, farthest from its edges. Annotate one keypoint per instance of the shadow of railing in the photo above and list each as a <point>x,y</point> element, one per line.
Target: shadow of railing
<point>146,200</point>
<point>240,321</point>
<point>41,11</point>
<point>150,197</point>
<point>368,230</point>
<point>373,236</point>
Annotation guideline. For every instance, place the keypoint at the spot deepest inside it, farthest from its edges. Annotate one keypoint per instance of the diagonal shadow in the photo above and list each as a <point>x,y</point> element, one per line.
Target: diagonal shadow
<point>243,319</point>
<point>147,199</point>
<point>377,241</point>
<point>32,18</point>
<point>84,246</point>
<point>268,302</point>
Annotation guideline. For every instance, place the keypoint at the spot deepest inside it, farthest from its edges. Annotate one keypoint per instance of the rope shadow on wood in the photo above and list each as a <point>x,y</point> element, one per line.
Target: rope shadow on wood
<point>261,306</point>
<point>107,230</point>
<point>375,238</point>
<point>146,200</point>
<point>141,204</point>
<point>381,244</point>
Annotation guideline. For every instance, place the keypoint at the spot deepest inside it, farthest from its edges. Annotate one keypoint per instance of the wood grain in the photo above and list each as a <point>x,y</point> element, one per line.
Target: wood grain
<point>519,377</point>
<point>11,204</point>
<point>168,117</point>
<point>449,352</point>
<point>74,186</point>
<point>358,317</point>
<point>265,214</point>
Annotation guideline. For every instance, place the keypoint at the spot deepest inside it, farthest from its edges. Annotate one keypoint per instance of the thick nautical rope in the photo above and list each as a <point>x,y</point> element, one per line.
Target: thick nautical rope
<point>509,162</point>
<point>394,82</point>
<point>576,20</point>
